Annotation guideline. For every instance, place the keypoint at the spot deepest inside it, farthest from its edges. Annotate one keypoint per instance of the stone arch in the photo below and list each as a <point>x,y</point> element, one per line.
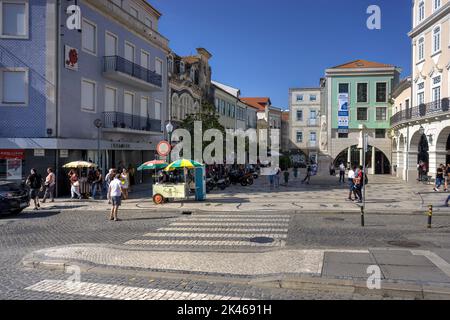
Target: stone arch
<point>443,146</point>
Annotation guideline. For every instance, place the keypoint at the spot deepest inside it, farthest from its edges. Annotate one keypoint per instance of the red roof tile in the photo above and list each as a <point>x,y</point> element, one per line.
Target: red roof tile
<point>258,103</point>
<point>362,64</point>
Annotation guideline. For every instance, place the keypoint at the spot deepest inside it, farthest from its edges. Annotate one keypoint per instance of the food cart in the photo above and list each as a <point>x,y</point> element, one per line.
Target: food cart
<point>165,191</point>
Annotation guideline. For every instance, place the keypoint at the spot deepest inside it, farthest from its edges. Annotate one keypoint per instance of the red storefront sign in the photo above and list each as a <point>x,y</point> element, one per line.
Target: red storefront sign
<point>12,154</point>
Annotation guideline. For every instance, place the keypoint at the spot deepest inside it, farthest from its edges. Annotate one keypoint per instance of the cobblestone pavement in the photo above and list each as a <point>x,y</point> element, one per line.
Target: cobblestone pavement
<point>27,233</point>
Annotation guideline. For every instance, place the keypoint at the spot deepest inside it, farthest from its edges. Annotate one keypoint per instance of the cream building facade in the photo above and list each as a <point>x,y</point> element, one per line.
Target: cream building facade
<point>421,132</point>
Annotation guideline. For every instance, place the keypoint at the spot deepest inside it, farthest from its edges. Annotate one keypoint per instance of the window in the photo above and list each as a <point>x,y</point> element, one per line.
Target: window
<point>144,107</point>
<point>407,104</point>
<point>381,92</point>
<point>299,97</point>
<point>134,12</point>
<point>14,87</point>
<point>170,66</point>
<point>380,133</point>
<point>299,136</point>
<point>128,103</point>
<point>89,37</point>
<point>436,94</point>
<point>420,98</point>
<point>421,13</point>
<point>129,52</point>
<point>145,59</point>
<point>313,97</point>
<point>111,44</point>
<point>362,92</point>
<point>299,115</point>
<point>158,107</point>
<point>313,114</point>
<point>313,137</point>
<point>88,95</point>
<point>421,49</point>
<point>158,66</point>
<point>436,39</point>
<point>381,114</point>
<point>361,114</point>
<point>14,17</point>
<point>110,99</point>
<point>182,67</point>
<point>149,23</point>
<point>436,4</point>
<point>343,88</point>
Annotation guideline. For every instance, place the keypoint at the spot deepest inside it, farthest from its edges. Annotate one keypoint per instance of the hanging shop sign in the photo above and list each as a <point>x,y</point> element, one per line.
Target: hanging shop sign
<point>12,154</point>
<point>74,20</point>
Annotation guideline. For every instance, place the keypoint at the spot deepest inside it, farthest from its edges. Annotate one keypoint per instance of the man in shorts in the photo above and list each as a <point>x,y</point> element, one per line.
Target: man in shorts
<point>115,194</point>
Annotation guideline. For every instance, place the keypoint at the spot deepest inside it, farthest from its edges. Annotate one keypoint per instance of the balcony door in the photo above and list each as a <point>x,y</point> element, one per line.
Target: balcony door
<point>110,45</point>
<point>129,52</point>
<point>128,102</point>
<point>110,99</point>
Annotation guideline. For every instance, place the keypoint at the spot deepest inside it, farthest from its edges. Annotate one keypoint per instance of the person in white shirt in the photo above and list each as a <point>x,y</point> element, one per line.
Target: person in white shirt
<point>50,183</point>
<point>115,194</point>
<point>351,177</point>
<point>342,173</point>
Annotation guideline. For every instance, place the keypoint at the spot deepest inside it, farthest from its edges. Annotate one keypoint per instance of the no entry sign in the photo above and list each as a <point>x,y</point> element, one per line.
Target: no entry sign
<point>163,148</point>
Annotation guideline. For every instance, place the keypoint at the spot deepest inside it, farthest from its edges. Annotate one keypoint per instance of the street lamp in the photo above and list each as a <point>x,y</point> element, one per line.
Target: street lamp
<point>169,129</point>
<point>421,131</point>
<point>98,124</point>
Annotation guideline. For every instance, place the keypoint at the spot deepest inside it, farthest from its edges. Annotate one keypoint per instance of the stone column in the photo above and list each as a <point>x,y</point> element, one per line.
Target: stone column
<point>349,156</point>
<point>372,170</point>
<point>411,170</point>
<point>361,157</point>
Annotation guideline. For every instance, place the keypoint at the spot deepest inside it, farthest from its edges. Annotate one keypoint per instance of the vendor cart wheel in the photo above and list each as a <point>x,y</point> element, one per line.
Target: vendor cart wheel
<point>158,199</point>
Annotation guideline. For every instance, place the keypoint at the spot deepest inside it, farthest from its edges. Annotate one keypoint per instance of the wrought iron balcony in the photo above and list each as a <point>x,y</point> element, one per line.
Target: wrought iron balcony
<point>119,120</point>
<point>424,110</point>
<point>313,122</point>
<point>121,69</point>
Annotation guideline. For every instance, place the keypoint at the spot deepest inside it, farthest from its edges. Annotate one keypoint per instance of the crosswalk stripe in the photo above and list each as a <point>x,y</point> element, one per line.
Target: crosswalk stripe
<point>262,216</point>
<point>234,220</point>
<point>223,229</point>
<point>216,235</point>
<point>236,224</point>
<point>119,292</point>
<point>276,243</point>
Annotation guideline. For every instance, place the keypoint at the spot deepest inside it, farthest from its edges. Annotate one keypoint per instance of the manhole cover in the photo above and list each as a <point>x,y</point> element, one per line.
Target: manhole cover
<point>335,219</point>
<point>262,240</point>
<point>404,244</point>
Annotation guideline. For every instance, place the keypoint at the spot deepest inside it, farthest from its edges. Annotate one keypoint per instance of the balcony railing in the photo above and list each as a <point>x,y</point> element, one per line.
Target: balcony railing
<point>422,111</point>
<point>312,144</point>
<point>121,120</point>
<point>119,64</point>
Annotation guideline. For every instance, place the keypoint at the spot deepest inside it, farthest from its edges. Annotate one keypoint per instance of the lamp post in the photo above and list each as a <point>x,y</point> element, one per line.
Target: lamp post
<point>98,124</point>
<point>169,129</point>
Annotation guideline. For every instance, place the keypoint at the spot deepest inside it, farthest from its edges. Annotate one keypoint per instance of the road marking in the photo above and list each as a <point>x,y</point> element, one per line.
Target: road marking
<point>216,235</point>
<point>236,220</point>
<point>235,224</point>
<point>443,265</point>
<point>219,243</point>
<point>118,292</point>
<point>246,216</point>
<point>222,229</point>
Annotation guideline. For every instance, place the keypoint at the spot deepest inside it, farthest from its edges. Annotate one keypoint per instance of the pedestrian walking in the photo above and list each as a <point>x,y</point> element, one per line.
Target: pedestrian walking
<point>295,172</point>
<point>446,176</point>
<point>74,185</point>
<point>351,183</point>
<point>34,181</point>
<point>342,173</point>
<point>97,184</point>
<point>332,169</point>
<point>50,183</point>
<point>109,177</point>
<point>439,177</point>
<point>277,177</point>
<point>115,194</point>
<point>125,177</point>
<point>286,177</point>
<point>307,179</point>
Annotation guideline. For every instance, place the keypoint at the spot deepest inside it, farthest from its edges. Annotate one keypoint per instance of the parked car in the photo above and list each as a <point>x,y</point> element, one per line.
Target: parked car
<point>14,197</point>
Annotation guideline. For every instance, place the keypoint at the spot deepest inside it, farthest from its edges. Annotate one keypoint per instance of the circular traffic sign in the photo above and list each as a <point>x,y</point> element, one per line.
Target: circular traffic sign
<point>163,148</point>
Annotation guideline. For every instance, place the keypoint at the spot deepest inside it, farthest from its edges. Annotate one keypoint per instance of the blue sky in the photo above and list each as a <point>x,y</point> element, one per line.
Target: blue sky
<point>265,47</point>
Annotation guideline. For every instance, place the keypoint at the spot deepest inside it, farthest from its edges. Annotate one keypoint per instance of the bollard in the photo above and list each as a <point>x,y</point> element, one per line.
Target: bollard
<point>430,215</point>
<point>362,216</point>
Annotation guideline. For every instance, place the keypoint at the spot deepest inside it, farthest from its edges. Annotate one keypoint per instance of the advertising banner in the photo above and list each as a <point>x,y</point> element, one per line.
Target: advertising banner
<point>343,113</point>
<point>13,169</point>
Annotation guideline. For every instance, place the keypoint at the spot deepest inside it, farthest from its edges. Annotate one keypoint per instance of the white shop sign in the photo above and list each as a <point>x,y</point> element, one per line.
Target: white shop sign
<point>39,152</point>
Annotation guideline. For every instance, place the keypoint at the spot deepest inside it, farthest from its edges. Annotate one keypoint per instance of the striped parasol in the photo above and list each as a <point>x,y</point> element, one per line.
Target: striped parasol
<point>79,165</point>
<point>183,163</point>
<point>153,165</point>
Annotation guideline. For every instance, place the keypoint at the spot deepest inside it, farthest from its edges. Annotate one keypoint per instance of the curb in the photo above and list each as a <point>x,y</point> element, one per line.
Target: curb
<point>301,282</point>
